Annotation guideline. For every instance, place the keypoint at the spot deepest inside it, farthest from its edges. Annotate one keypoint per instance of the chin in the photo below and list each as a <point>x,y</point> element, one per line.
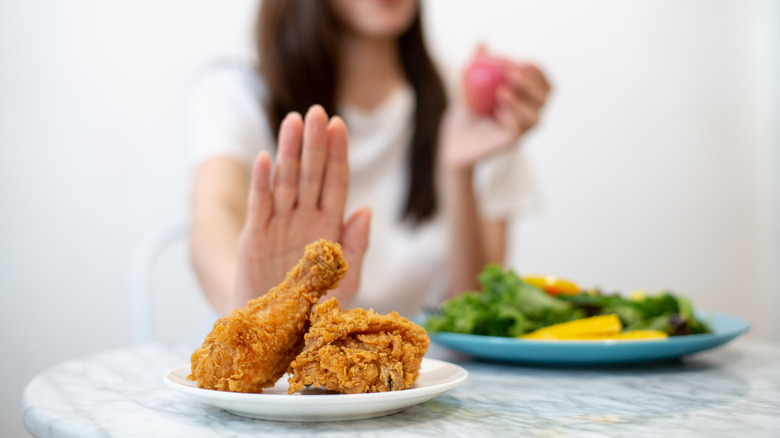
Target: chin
<point>376,18</point>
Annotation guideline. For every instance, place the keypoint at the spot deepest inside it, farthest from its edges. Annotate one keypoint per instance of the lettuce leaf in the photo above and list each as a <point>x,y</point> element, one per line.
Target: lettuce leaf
<point>507,306</point>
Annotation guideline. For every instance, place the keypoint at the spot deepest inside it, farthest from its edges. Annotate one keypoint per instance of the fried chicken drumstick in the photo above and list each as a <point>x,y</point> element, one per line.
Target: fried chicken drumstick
<point>357,350</point>
<point>252,348</point>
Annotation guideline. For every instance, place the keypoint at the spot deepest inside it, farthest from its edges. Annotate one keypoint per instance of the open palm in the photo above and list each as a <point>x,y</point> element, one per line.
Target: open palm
<point>303,202</point>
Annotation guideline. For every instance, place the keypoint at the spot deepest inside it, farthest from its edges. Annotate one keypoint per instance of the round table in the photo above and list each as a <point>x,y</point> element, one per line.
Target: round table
<point>731,391</point>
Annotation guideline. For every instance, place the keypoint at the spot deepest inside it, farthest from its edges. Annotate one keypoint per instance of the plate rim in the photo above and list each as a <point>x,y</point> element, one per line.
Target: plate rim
<point>459,377</point>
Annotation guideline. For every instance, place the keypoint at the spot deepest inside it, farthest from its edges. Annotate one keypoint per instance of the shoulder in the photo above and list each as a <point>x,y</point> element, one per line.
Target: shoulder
<point>232,82</point>
<point>225,114</point>
<point>228,95</point>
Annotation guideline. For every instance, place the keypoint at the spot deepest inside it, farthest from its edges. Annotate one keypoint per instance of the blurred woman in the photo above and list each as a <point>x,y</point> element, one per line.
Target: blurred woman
<point>428,183</point>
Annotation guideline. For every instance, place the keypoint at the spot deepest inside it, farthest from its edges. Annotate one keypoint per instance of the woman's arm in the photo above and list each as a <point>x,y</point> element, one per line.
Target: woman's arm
<point>466,139</point>
<point>475,242</point>
<point>494,235</point>
<point>219,197</point>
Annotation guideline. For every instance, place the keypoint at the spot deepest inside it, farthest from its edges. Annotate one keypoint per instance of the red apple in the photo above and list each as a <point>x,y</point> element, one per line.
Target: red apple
<point>480,81</point>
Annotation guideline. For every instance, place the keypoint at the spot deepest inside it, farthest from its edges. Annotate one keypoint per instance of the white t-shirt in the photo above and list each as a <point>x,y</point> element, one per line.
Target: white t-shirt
<point>405,268</point>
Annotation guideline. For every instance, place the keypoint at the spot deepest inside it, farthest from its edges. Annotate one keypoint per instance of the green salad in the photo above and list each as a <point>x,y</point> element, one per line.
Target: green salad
<point>509,306</point>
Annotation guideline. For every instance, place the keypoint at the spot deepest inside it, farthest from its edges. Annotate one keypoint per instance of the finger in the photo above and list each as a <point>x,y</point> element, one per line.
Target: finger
<point>287,164</point>
<point>313,157</point>
<point>335,186</point>
<point>261,201</point>
<point>535,75</point>
<point>354,241</point>
<point>513,113</point>
<point>525,87</point>
<point>354,235</point>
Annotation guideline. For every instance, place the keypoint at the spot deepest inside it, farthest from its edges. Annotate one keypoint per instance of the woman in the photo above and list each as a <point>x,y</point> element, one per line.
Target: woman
<point>435,182</point>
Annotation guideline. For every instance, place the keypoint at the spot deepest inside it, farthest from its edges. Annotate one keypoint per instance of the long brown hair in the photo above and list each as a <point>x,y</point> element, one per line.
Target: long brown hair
<point>297,48</point>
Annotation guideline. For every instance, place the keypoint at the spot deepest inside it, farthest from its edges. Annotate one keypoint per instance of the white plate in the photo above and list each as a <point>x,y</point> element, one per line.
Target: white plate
<point>436,377</point>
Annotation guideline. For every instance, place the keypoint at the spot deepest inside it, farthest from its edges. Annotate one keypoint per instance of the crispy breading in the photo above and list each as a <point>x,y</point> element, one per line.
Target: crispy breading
<point>252,348</point>
<point>357,351</point>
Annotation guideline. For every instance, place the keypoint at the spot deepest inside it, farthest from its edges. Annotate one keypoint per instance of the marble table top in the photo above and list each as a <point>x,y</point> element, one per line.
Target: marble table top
<point>733,391</point>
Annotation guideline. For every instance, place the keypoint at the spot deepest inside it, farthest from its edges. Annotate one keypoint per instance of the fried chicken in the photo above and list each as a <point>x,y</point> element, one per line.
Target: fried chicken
<point>252,348</point>
<point>357,350</point>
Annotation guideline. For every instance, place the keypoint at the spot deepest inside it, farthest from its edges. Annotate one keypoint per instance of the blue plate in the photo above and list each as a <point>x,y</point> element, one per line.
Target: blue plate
<point>725,328</point>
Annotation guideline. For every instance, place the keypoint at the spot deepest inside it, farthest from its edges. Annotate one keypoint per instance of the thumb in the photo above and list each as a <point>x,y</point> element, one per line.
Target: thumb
<point>354,236</point>
<point>354,242</point>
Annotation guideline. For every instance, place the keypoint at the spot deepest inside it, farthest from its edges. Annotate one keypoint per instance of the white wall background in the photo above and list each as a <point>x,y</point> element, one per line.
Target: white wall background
<point>657,159</point>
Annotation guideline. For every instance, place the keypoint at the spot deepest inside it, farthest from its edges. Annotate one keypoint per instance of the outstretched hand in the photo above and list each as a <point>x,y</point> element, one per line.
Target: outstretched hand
<point>305,201</point>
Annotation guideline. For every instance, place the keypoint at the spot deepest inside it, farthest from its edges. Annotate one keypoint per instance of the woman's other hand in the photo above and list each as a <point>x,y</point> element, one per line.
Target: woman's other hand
<point>467,137</point>
<point>304,201</point>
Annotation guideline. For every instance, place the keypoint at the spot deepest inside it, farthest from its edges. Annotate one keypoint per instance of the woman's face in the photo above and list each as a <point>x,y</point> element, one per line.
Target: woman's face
<point>375,18</point>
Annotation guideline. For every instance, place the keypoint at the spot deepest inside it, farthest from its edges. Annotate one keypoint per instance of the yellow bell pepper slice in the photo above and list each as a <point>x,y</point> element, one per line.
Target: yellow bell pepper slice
<point>552,284</point>
<point>600,325</point>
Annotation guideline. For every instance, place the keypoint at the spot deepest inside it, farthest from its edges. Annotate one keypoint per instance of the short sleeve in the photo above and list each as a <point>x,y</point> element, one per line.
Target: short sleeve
<point>503,185</point>
<point>225,117</point>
